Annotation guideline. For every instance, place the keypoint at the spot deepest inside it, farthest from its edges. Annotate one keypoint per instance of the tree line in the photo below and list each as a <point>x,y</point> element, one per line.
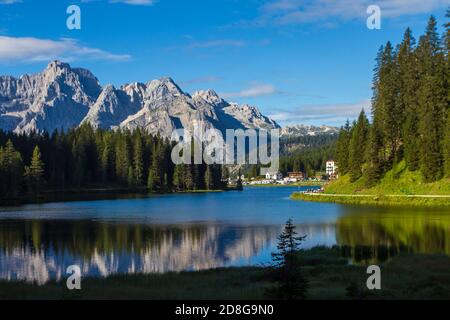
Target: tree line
<point>85,158</point>
<point>410,112</point>
<point>309,160</point>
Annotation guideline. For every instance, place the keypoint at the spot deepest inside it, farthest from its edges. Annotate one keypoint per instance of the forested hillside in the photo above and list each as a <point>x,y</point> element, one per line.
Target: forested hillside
<point>410,113</point>
<point>85,158</point>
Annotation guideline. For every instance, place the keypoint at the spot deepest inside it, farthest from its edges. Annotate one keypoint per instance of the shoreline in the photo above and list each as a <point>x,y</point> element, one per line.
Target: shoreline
<point>379,200</point>
<point>92,194</point>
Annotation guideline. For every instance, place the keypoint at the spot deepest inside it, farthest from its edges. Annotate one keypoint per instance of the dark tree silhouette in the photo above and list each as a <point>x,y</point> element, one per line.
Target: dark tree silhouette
<point>286,270</point>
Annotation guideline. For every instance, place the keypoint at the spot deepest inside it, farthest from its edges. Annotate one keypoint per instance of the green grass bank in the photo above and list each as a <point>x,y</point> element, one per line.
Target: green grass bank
<point>399,187</point>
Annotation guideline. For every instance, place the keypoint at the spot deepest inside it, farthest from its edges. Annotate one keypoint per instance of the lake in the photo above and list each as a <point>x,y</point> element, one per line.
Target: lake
<point>195,231</point>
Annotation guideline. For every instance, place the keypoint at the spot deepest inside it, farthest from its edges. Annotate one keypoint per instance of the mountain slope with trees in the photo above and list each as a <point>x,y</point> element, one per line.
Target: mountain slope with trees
<point>409,134</point>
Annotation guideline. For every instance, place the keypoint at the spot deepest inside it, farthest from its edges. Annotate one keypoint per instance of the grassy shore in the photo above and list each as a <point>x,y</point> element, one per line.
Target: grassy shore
<point>382,200</point>
<point>330,277</point>
<point>399,187</point>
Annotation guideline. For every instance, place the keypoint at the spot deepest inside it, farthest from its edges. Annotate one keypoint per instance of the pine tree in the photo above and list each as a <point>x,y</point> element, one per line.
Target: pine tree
<point>342,148</point>
<point>432,98</point>
<point>178,177</point>
<point>11,170</point>
<point>209,178</point>
<point>35,172</point>
<point>358,147</point>
<point>122,160</point>
<point>407,99</point>
<point>291,284</point>
<point>155,175</point>
<point>188,177</point>
<point>106,162</point>
<point>446,144</point>
<point>138,161</point>
<point>131,177</point>
<point>374,157</point>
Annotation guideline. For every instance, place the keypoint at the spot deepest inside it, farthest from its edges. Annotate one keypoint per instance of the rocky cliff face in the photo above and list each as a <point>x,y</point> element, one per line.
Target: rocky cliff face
<point>61,97</point>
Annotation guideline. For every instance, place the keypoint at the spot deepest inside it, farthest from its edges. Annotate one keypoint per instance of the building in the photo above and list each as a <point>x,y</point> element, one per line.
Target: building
<point>274,176</point>
<point>297,176</point>
<point>331,168</point>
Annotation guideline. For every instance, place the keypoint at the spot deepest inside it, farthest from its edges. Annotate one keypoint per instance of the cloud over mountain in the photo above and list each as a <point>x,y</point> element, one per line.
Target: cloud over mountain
<point>29,49</point>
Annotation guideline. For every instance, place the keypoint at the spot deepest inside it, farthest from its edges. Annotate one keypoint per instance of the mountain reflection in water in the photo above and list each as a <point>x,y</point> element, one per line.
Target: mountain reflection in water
<point>41,250</point>
<point>201,231</point>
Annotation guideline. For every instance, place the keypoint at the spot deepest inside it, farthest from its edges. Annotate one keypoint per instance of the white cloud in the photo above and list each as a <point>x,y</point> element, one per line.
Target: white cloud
<point>255,90</point>
<point>9,1</point>
<point>283,12</point>
<point>333,114</point>
<point>30,49</point>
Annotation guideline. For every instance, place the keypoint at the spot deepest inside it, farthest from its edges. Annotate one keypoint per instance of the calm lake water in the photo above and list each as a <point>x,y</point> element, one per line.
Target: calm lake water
<point>197,231</point>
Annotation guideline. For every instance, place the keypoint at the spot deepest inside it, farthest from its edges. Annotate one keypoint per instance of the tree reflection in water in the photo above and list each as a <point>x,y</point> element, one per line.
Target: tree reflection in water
<point>40,250</point>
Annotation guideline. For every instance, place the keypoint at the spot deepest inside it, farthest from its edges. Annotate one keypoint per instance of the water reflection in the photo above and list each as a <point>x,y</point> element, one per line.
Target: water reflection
<point>40,250</point>
<point>405,229</point>
<point>194,232</point>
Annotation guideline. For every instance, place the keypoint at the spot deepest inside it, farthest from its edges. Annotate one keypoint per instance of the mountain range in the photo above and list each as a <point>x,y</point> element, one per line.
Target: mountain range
<point>62,97</point>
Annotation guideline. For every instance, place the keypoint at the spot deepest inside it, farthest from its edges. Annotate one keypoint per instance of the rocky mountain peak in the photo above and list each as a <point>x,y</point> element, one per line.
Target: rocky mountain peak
<point>64,97</point>
<point>210,96</point>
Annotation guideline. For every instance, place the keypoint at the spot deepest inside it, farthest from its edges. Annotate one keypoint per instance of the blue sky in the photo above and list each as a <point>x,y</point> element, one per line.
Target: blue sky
<point>299,61</point>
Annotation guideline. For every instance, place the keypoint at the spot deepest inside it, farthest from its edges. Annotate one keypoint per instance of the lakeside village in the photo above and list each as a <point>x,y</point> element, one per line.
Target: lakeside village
<point>293,178</point>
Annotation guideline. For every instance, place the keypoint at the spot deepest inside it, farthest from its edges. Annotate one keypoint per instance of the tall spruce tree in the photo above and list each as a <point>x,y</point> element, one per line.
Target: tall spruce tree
<point>407,99</point>
<point>374,159</point>
<point>432,98</point>
<point>35,172</point>
<point>291,283</point>
<point>138,165</point>
<point>11,170</point>
<point>446,144</point>
<point>358,143</point>
<point>178,177</point>
<point>342,148</point>
<point>122,159</point>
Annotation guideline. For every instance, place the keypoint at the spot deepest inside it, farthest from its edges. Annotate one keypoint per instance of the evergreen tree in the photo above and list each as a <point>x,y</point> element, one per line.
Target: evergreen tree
<point>131,178</point>
<point>342,148</point>
<point>209,178</point>
<point>188,177</point>
<point>291,284</point>
<point>447,146</point>
<point>122,160</point>
<point>374,157</point>
<point>138,161</point>
<point>107,161</point>
<point>358,143</point>
<point>35,172</point>
<point>155,175</point>
<point>432,98</point>
<point>11,170</point>
<point>407,99</point>
<point>178,177</point>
